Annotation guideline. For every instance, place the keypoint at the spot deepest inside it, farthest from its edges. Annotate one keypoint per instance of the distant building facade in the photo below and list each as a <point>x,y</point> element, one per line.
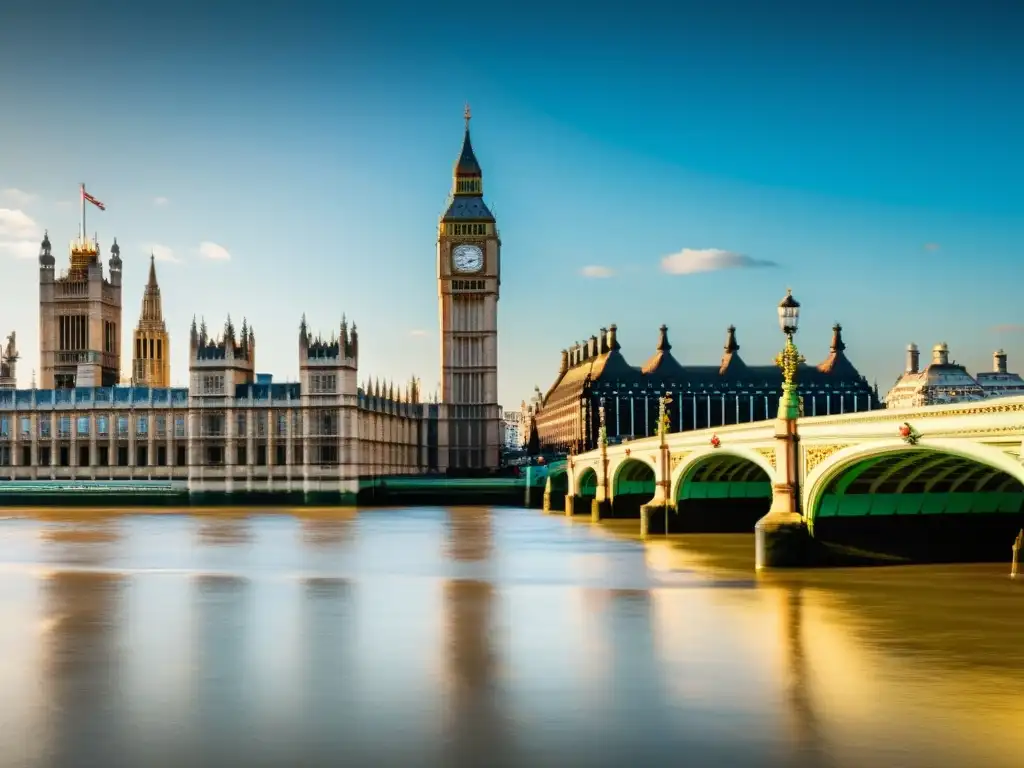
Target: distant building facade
<point>514,437</point>
<point>945,381</point>
<point>567,416</point>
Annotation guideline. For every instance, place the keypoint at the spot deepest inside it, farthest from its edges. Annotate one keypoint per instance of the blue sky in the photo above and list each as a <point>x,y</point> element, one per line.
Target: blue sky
<point>871,151</point>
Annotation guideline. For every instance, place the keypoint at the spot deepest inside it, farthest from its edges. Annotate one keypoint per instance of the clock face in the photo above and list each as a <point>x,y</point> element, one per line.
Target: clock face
<point>467,258</point>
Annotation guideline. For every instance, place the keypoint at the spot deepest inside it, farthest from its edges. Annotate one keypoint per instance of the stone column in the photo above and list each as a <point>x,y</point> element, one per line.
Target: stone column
<point>132,426</point>
<point>93,443</point>
<point>250,447</point>
<point>230,435</point>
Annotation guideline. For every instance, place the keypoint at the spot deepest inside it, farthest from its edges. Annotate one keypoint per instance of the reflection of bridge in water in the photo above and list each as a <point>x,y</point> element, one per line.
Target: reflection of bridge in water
<point>937,482</point>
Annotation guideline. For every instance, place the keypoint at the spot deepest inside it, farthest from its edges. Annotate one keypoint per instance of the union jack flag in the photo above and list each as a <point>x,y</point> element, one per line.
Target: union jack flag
<point>93,200</point>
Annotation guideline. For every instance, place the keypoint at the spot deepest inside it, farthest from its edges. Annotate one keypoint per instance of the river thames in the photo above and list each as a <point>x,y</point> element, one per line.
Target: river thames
<point>477,637</point>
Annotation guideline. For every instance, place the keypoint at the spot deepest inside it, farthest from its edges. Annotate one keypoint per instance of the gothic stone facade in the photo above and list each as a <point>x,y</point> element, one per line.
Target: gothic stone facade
<point>228,432</point>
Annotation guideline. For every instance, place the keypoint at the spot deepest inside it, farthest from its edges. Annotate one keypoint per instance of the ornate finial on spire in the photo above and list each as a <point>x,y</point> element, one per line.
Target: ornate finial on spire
<point>663,345</point>
<point>731,344</point>
<point>837,338</point>
<point>468,115</point>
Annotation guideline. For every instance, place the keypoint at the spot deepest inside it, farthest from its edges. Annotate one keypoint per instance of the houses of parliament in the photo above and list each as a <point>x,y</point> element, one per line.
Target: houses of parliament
<point>233,429</point>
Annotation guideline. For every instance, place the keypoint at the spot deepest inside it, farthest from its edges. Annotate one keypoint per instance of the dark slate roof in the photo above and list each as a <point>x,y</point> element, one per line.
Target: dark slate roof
<point>610,370</point>
<point>467,164</point>
<point>468,208</point>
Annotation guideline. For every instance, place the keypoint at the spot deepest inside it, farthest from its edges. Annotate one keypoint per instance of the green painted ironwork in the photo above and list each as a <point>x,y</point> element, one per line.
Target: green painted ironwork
<point>634,477</point>
<point>724,476</point>
<point>917,481</point>
<point>588,482</point>
<point>74,487</point>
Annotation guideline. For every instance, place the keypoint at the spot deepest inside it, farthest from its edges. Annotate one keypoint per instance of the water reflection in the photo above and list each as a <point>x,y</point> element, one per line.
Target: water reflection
<point>329,672</point>
<point>82,666</point>
<point>85,542</point>
<point>221,675</point>
<point>479,637</point>
<point>806,735</point>
<point>470,533</point>
<point>328,532</point>
<point>225,529</point>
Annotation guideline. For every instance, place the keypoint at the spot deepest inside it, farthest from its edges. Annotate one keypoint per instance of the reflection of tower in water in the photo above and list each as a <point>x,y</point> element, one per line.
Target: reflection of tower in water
<point>327,532</point>
<point>82,667</point>
<point>473,720</point>
<point>470,534</point>
<point>221,706</point>
<point>330,685</point>
<point>221,529</point>
<point>806,731</point>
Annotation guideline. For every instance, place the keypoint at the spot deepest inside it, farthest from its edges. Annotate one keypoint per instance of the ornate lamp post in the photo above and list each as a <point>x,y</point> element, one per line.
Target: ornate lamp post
<point>600,507</point>
<point>781,537</point>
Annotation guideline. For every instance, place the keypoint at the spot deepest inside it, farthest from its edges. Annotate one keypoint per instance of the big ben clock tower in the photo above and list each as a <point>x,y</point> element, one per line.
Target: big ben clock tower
<point>468,278</point>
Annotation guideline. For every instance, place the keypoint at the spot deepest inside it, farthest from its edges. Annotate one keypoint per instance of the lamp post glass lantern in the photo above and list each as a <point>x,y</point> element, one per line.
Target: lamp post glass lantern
<point>789,313</point>
<point>790,359</point>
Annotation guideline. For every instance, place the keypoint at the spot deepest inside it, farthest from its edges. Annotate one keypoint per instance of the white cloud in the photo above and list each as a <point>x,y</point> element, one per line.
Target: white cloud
<point>162,253</point>
<point>213,251</point>
<point>419,332</point>
<point>19,234</point>
<point>931,246</point>
<point>18,197</point>
<point>160,201</point>
<point>20,249</point>
<point>690,261</point>
<point>594,270</point>
<point>16,224</point>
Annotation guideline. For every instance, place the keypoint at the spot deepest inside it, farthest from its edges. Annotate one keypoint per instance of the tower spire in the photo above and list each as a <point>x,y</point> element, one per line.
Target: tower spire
<point>468,178</point>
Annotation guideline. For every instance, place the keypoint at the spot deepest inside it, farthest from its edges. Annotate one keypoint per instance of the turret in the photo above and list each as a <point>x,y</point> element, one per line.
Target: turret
<point>913,359</point>
<point>217,366</point>
<point>940,354</point>
<point>115,264</point>
<point>327,365</point>
<point>999,361</point>
<point>46,260</point>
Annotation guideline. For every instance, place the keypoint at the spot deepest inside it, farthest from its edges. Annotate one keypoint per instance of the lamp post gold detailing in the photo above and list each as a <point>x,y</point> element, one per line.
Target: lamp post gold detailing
<point>781,538</point>
<point>600,507</point>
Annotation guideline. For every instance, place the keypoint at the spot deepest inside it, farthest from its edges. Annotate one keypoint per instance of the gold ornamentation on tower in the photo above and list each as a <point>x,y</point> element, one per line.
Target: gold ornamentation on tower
<point>151,361</point>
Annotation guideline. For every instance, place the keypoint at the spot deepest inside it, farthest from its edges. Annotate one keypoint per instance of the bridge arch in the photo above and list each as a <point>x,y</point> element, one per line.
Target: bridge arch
<point>939,500</point>
<point>586,482</point>
<point>557,486</point>
<point>631,485</point>
<point>722,490</point>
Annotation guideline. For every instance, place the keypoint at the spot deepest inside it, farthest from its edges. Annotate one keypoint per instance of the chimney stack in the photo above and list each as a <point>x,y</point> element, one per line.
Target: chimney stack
<point>613,340</point>
<point>913,359</point>
<point>999,361</point>
<point>602,341</point>
<point>592,347</point>
<point>564,365</point>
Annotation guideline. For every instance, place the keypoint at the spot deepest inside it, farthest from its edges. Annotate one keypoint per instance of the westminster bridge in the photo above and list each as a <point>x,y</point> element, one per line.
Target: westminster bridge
<point>943,482</point>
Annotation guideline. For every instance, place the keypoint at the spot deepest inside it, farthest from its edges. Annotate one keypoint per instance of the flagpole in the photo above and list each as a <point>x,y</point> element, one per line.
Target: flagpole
<point>82,191</point>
